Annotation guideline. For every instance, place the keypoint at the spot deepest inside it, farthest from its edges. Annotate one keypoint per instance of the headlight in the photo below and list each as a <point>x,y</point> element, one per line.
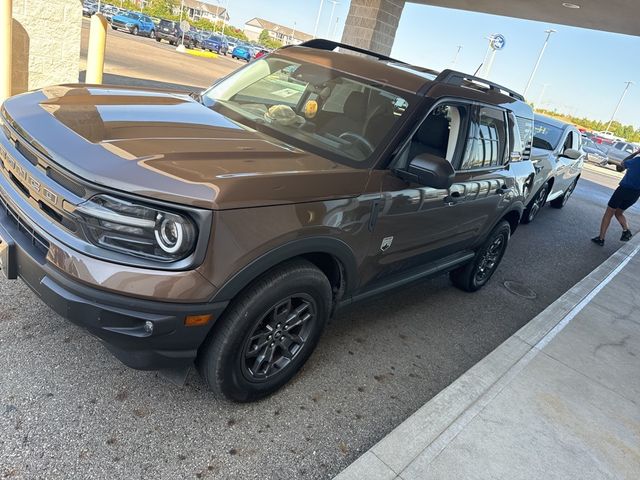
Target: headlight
<point>137,229</point>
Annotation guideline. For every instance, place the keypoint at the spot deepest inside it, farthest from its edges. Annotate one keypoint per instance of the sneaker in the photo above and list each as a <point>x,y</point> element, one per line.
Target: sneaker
<point>598,241</point>
<point>626,236</point>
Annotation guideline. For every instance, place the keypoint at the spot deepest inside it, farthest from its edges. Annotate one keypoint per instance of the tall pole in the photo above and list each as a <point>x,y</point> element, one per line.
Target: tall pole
<point>181,10</point>
<point>535,68</point>
<point>544,89</point>
<point>315,30</point>
<point>293,36</point>
<point>455,59</point>
<point>615,112</point>
<point>335,27</point>
<point>333,10</point>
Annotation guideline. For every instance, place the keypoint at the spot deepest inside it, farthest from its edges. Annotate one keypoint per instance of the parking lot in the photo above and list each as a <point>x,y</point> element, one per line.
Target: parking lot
<point>69,409</point>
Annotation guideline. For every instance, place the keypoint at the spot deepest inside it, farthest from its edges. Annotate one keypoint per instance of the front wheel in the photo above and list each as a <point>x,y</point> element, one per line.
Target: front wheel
<point>267,333</point>
<point>619,168</point>
<point>135,30</point>
<point>562,201</point>
<point>536,204</point>
<point>158,39</point>
<point>477,273</point>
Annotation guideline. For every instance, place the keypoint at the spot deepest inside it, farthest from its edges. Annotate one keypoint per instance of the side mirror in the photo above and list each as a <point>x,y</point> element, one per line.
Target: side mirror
<point>572,153</point>
<point>430,171</point>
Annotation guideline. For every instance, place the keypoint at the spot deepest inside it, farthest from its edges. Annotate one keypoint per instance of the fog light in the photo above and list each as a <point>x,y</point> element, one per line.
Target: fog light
<point>197,320</point>
<point>148,326</point>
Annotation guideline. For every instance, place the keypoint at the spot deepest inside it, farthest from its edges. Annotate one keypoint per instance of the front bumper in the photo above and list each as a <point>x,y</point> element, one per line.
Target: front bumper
<point>117,320</point>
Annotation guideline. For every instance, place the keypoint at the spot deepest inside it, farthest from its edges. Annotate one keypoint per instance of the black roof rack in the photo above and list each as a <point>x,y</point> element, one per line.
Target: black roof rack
<point>322,44</point>
<point>453,77</point>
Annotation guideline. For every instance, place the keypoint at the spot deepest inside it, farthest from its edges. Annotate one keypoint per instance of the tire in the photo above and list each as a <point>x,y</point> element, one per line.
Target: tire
<point>470,277</point>
<point>536,204</point>
<point>619,169</point>
<point>135,30</point>
<point>562,201</point>
<point>158,39</point>
<point>227,361</point>
<point>114,28</point>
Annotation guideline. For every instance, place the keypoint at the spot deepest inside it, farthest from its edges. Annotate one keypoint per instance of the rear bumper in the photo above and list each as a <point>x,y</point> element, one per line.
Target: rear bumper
<point>118,320</point>
<point>166,36</point>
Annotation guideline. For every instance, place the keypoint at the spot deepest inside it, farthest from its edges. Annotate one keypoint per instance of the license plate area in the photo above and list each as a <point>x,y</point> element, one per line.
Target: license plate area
<point>8,262</point>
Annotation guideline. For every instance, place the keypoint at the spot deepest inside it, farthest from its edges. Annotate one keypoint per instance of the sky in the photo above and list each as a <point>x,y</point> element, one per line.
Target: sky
<point>585,70</point>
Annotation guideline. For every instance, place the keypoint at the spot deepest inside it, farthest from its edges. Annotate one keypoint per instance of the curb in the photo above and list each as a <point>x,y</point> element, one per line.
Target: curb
<point>429,430</point>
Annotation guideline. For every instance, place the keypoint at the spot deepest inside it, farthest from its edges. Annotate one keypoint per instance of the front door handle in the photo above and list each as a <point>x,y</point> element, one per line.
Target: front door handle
<point>502,190</point>
<point>453,198</point>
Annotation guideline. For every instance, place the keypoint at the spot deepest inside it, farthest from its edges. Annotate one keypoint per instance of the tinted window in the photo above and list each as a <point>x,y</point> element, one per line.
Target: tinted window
<point>486,144</point>
<point>525,125</point>
<point>546,136</point>
<point>286,99</point>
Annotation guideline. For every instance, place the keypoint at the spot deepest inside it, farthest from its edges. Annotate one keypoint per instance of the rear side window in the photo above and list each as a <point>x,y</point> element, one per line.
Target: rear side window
<point>486,145</point>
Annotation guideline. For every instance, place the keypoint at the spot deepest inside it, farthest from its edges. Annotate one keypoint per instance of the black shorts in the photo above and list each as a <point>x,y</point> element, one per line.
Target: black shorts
<point>623,198</point>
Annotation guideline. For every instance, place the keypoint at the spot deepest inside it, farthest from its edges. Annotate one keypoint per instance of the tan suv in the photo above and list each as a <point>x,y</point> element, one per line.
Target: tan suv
<point>226,227</point>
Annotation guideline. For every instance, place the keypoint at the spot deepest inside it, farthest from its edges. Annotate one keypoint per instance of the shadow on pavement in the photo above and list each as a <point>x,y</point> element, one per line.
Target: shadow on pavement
<point>111,79</point>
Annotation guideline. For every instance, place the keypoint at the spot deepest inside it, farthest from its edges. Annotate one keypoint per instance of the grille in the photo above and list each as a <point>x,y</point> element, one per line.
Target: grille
<point>37,240</point>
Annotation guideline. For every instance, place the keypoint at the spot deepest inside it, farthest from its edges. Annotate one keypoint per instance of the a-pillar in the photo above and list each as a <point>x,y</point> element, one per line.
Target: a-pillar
<point>372,24</point>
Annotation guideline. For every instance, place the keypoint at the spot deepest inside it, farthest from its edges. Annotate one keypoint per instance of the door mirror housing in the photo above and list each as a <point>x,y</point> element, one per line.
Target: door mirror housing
<point>572,153</point>
<point>430,171</point>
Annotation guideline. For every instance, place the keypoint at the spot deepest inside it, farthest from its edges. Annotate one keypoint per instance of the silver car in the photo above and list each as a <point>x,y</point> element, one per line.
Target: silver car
<point>558,157</point>
<point>618,152</point>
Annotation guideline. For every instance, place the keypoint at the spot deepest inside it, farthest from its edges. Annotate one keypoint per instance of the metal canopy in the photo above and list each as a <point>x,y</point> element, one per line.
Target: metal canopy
<point>618,16</point>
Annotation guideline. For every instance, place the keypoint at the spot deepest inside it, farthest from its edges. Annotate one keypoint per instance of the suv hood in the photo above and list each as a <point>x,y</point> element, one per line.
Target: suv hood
<point>169,147</point>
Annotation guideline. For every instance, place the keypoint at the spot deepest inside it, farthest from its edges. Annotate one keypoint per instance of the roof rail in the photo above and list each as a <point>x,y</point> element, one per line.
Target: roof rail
<point>330,45</point>
<point>462,79</point>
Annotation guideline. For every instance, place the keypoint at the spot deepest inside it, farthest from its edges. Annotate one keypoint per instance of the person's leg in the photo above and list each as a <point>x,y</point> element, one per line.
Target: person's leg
<point>621,219</point>
<point>606,221</point>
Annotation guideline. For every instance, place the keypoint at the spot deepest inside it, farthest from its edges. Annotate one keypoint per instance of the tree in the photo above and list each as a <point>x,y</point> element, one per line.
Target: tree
<point>265,40</point>
<point>161,8</point>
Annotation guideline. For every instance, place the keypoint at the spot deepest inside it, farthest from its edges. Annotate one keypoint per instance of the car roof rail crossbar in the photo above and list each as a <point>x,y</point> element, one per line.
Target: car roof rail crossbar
<point>330,45</point>
<point>454,77</point>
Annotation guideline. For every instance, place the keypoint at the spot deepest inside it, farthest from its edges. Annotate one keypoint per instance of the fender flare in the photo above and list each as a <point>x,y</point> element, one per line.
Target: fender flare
<point>332,246</point>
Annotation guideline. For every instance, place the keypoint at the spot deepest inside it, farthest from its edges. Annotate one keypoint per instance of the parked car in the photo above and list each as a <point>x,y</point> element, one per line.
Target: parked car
<point>243,52</point>
<point>227,227</point>
<point>261,53</point>
<point>215,43</point>
<point>618,152</point>
<point>170,31</point>
<point>134,23</point>
<point>89,8</point>
<point>594,153</point>
<point>109,11</point>
<point>558,158</point>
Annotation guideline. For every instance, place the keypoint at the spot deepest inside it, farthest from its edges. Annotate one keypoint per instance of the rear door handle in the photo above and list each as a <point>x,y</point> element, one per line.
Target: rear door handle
<point>453,198</point>
<point>502,190</point>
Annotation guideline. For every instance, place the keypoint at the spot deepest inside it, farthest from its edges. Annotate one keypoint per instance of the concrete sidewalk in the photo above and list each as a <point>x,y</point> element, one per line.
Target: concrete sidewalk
<point>560,399</point>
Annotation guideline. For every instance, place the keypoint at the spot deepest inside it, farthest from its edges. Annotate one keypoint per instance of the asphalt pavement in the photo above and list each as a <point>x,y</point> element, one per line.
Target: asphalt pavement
<point>68,409</point>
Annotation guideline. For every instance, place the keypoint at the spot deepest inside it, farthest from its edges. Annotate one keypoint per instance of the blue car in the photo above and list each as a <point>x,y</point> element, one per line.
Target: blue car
<point>244,52</point>
<point>135,23</point>
<point>215,43</point>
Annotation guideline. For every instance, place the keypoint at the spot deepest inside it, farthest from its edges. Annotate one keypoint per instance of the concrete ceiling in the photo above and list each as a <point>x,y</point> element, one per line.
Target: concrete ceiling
<point>619,16</point>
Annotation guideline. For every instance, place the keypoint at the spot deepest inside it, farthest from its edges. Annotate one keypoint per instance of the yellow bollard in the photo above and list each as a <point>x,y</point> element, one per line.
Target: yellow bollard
<point>5,49</point>
<point>95,52</point>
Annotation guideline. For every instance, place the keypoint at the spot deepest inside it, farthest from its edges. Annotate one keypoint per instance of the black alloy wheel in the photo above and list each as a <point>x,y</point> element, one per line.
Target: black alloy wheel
<point>476,274</point>
<point>267,332</point>
<point>278,337</point>
<point>536,204</point>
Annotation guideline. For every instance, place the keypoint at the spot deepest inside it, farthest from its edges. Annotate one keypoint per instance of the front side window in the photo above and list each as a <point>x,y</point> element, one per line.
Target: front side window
<point>487,142</point>
<point>310,106</point>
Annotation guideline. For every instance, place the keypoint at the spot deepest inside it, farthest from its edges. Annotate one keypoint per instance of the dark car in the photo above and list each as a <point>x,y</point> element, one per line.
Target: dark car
<point>215,43</point>
<point>226,228</point>
<point>134,23</point>
<point>558,158</point>
<point>618,152</point>
<point>89,8</point>
<point>243,52</point>
<point>170,31</point>
<point>594,152</point>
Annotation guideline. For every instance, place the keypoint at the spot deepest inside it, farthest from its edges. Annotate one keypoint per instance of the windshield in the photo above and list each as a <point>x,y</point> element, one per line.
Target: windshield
<point>546,136</point>
<point>310,106</point>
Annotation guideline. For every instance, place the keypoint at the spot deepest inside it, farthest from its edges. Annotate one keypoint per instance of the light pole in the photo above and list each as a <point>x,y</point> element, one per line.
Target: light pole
<point>535,68</point>
<point>455,58</point>
<point>615,112</point>
<point>315,30</point>
<point>293,36</point>
<point>544,89</point>
<point>333,10</point>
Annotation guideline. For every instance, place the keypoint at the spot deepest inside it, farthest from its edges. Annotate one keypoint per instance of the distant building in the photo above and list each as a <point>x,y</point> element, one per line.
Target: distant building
<point>288,36</point>
<point>197,10</point>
